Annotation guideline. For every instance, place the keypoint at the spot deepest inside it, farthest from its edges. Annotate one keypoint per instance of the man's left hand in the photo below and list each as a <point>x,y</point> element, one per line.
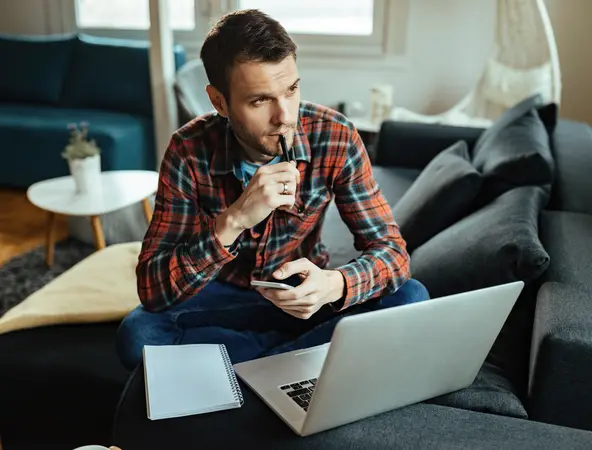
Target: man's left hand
<point>318,288</point>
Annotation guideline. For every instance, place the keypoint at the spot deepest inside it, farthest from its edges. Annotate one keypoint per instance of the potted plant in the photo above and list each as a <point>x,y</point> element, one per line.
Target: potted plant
<point>84,159</point>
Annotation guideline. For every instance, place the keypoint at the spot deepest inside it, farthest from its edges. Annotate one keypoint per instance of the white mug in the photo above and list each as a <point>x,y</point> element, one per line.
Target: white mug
<point>91,447</point>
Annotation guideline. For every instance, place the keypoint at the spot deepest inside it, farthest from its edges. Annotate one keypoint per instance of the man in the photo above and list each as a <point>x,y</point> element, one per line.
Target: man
<point>230,209</point>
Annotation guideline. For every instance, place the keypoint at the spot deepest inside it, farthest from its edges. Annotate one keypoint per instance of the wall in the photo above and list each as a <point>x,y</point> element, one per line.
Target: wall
<point>571,25</point>
<point>30,16</point>
<point>446,45</point>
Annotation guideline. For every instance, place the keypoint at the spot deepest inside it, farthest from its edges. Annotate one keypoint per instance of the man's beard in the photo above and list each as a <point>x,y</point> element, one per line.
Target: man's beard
<point>254,142</point>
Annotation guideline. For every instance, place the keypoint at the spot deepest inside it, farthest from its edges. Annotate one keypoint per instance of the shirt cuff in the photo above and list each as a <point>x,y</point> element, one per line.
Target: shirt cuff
<point>351,294</point>
<point>207,247</point>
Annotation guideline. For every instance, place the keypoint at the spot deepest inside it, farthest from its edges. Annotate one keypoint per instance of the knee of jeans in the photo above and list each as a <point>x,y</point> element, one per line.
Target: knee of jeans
<point>141,328</point>
<point>415,291</point>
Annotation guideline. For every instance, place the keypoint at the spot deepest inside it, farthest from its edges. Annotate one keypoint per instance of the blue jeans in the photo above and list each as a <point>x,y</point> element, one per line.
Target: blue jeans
<point>248,324</point>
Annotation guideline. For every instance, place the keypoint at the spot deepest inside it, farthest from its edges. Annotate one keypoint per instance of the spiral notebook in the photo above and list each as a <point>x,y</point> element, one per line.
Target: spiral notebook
<point>183,380</point>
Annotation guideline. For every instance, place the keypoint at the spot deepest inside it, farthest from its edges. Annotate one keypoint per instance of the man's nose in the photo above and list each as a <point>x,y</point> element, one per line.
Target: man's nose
<point>281,113</point>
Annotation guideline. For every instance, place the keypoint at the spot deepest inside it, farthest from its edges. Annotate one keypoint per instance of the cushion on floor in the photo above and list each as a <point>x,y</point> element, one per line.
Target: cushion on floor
<point>100,288</point>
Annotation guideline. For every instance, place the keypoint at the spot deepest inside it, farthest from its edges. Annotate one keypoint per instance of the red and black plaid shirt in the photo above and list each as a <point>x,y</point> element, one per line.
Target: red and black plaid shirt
<point>181,253</point>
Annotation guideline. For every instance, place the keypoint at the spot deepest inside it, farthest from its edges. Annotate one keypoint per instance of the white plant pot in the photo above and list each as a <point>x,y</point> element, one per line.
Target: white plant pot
<point>86,173</point>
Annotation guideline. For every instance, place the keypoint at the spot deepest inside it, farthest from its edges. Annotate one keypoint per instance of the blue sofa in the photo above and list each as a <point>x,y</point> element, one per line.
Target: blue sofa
<point>48,82</point>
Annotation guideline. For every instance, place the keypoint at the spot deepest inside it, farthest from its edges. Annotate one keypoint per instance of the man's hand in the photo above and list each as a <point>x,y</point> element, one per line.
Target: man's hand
<point>264,193</point>
<point>318,288</point>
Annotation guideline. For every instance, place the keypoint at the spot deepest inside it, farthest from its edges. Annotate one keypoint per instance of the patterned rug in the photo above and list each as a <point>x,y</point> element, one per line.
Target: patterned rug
<point>27,273</point>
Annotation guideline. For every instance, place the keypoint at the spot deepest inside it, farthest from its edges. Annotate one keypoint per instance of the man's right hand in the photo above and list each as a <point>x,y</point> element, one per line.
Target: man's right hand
<point>263,194</point>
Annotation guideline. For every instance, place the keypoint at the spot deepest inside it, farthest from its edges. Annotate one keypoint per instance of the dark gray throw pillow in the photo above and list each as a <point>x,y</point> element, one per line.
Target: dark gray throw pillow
<point>496,244</point>
<point>441,195</point>
<point>491,393</point>
<point>507,117</point>
<point>519,154</point>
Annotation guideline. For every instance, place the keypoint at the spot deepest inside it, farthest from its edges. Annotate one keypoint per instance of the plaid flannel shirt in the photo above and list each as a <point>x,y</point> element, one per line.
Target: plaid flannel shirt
<point>181,253</point>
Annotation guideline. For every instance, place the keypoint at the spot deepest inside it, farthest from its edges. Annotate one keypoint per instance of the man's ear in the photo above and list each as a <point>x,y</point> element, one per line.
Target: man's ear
<point>218,100</point>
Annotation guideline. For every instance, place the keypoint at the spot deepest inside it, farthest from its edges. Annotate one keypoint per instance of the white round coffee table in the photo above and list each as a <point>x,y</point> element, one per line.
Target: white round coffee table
<point>118,189</point>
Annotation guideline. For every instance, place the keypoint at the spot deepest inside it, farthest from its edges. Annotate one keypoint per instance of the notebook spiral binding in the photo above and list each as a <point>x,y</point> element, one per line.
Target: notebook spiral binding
<point>238,395</point>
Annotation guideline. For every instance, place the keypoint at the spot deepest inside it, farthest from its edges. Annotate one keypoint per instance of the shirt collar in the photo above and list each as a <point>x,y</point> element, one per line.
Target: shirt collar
<point>223,158</point>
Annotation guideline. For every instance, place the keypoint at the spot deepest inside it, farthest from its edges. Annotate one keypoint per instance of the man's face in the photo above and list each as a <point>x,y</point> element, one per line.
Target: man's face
<point>264,102</point>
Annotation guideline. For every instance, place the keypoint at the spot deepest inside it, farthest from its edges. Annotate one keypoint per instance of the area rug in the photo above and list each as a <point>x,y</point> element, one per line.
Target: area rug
<point>27,273</point>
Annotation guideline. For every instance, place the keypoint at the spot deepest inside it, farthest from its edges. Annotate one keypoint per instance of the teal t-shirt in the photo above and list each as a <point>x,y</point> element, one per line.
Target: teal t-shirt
<point>245,170</point>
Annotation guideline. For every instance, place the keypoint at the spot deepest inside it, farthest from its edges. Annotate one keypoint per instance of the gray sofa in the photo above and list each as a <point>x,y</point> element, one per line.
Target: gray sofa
<point>526,215</point>
<point>66,384</point>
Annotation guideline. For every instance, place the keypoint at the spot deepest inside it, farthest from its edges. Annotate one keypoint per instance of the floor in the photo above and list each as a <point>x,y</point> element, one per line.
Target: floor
<point>23,225</point>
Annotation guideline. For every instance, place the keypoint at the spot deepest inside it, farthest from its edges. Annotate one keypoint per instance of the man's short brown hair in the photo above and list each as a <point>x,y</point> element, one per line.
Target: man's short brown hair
<point>243,36</point>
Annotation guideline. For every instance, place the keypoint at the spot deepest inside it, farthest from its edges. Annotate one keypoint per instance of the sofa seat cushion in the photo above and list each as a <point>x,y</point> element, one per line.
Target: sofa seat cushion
<point>419,426</point>
<point>336,237</point>
<point>63,382</point>
<point>34,67</point>
<point>567,238</point>
<point>36,133</point>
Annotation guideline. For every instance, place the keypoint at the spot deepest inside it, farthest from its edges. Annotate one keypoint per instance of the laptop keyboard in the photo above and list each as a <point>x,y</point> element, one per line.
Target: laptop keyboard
<point>300,392</point>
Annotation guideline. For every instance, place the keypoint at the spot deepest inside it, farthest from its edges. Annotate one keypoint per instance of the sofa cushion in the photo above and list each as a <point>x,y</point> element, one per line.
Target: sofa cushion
<point>34,68</point>
<point>63,381</point>
<point>40,133</point>
<point>561,356</point>
<point>572,151</point>
<point>415,144</point>
<point>491,393</point>
<point>419,426</point>
<point>112,74</point>
<point>517,155</point>
<point>506,118</point>
<point>567,237</point>
<point>336,237</point>
<point>496,244</point>
<point>100,288</point>
<point>441,195</point>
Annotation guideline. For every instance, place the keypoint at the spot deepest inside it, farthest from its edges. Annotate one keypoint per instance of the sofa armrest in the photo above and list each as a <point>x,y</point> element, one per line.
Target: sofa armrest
<point>414,145</point>
<point>561,356</point>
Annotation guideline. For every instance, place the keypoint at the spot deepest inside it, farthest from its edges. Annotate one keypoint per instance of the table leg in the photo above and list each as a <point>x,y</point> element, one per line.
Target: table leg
<point>147,210</point>
<point>50,239</point>
<point>98,232</point>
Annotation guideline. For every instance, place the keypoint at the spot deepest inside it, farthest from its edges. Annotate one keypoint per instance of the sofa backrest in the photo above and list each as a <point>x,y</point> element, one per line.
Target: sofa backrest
<point>34,67</point>
<point>413,145</point>
<point>572,151</point>
<point>112,74</point>
<point>79,71</point>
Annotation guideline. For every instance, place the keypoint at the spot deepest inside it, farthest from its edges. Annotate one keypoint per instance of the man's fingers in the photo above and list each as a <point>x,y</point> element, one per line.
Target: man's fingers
<point>282,200</point>
<point>296,294</point>
<point>286,187</point>
<point>300,313</point>
<point>302,302</point>
<point>279,168</point>
<point>278,177</point>
<point>302,266</point>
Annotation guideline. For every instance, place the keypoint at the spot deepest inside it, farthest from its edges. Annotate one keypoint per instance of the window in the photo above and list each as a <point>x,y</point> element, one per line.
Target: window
<point>131,14</point>
<point>330,28</point>
<point>329,17</point>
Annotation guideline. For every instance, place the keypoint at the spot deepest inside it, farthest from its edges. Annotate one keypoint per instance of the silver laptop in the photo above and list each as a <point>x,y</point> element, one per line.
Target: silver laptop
<point>382,360</point>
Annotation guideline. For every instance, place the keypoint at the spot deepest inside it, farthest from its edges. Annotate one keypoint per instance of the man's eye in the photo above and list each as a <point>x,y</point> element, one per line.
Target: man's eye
<point>259,101</point>
<point>293,89</point>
